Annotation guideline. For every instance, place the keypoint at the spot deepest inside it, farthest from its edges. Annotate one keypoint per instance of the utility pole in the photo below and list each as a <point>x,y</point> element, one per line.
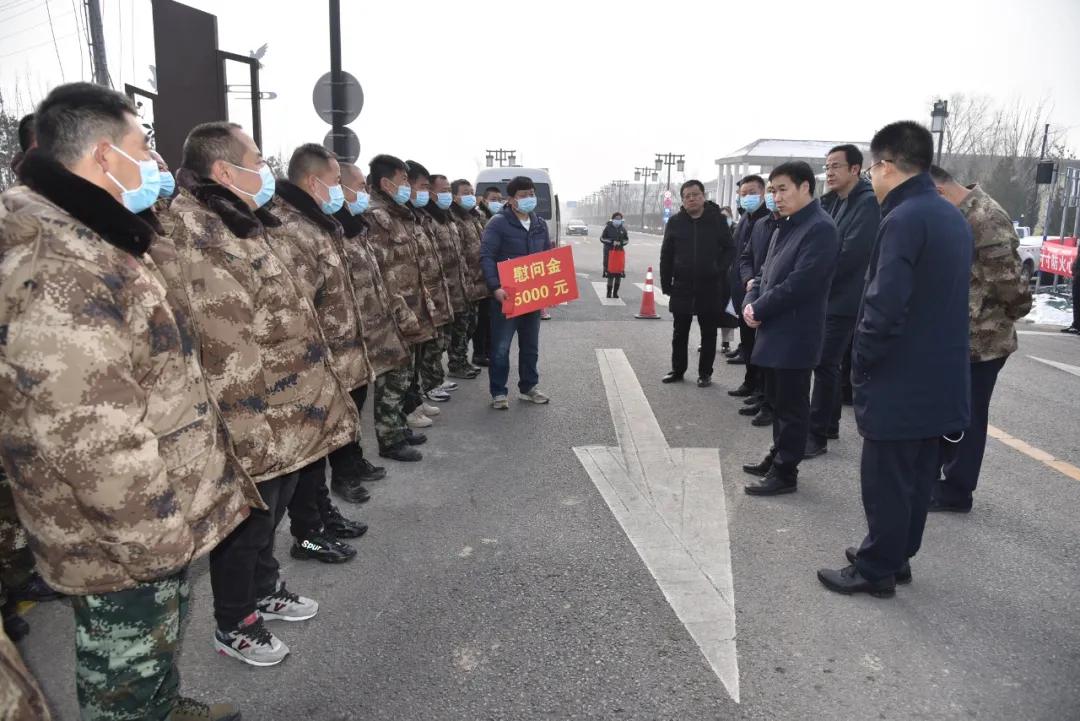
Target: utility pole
<point>670,159</point>
<point>643,175</point>
<point>619,185</point>
<point>337,81</point>
<point>97,43</point>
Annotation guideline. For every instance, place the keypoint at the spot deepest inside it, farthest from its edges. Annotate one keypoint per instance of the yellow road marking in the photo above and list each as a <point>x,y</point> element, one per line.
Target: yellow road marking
<point>1038,454</point>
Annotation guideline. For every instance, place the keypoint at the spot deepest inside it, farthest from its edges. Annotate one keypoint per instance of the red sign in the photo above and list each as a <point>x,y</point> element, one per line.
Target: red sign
<point>1057,259</point>
<point>538,281</point>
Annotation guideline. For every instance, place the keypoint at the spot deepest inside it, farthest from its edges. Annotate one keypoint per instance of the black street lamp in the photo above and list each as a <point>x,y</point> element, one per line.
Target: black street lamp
<point>670,159</point>
<point>937,123</point>
<point>639,174</point>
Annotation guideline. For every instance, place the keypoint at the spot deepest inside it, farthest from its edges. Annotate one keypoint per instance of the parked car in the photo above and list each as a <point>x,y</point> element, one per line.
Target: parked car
<point>577,227</point>
<point>1030,248</point>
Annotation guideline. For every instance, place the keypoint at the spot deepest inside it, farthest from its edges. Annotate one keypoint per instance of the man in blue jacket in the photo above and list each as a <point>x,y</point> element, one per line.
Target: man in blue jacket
<point>855,210</point>
<point>786,304</point>
<point>910,361</point>
<point>514,232</point>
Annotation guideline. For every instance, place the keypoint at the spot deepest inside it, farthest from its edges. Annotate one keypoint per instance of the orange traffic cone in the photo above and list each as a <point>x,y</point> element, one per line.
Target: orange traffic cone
<point>648,299</point>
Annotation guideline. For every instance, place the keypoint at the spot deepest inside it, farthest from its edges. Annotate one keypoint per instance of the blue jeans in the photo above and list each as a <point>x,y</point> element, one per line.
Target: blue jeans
<point>503,329</point>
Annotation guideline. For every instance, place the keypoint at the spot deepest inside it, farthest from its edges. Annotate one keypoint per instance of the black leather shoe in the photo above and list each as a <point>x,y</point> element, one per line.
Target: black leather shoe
<point>750,410</point>
<point>414,438</point>
<point>848,581</point>
<point>733,353</point>
<point>320,548</point>
<point>1072,330</point>
<point>672,377</point>
<point>743,391</point>
<point>759,469</point>
<point>815,448</point>
<point>368,472</point>
<point>35,589</point>
<point>755,399</point>
<point>402,452</point>
<point>773,484</point>
<point>737,360</point>
<point>833,435</point>
<point>764,418</point>
<point>481,360</point>
<point>939,506</point>
<point>339,526</point>
<point>903,576</point>
<point>350,489</point>
<point>704,381</point>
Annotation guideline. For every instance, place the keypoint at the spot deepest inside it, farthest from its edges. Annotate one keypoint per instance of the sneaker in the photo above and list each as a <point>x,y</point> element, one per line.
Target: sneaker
<point>544,315</point>
<point>284,605</point>
<point>339,526</point>
<point>1072,329</point>
<point>252,643</point>
<point>418,419</point>
<point>320,548</point>
<point>350,489</point>
<point>448,387</point>
<point>430,410</point>
<point>534,396</point>
<point>500,403</point>
<point>437,396</point>
<point>188,709</point>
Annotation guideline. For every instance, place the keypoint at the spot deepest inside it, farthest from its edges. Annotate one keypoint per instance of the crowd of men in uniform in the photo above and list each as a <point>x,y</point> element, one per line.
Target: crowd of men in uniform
<point>184,358</point>
<point>899,278</point>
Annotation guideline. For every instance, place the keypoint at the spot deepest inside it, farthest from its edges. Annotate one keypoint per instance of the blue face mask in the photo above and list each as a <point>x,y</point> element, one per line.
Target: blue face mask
<point>142,197</point>
<point>335,201</point>
<point>444,200</point>
<point>526,205</point>
<point>361,203</point>
<point>770,202</point>
<point>750,203</point>
<point>468,202</point>
<point>495,206</point>
<point>617,222</point>
<point>404,192</point>
<point>269,185</point>
<point>423,197</point>
<point>168,184</point>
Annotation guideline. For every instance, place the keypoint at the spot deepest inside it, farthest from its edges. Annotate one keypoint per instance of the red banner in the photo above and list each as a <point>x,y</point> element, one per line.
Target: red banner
<point>538,281</point>
<point>1057,259</point>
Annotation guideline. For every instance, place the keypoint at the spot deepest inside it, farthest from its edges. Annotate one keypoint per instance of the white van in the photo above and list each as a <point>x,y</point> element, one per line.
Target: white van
<point>547,201</point>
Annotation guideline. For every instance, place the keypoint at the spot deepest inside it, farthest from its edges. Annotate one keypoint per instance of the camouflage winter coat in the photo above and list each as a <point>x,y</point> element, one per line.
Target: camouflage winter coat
<point>427,252</point>
<point>470,225</point>
<point>441,227</point>
<point>309,241</point>
<point>261,345</point>
<point>116,457</point>
<point>392,235</point>
<point>382,312</point>
<point>998,296</point>
<point>20,697</point>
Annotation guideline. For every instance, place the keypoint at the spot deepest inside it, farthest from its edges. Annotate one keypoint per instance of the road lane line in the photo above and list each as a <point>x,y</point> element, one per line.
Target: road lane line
<point>661,299</point>
<point>1058,334</point>
<point>1047,459</point>
<point>601,292</point>
<point>1075,370</point>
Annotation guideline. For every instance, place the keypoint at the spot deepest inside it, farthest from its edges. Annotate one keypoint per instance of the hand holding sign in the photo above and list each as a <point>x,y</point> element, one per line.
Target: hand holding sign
<point>537,281</point>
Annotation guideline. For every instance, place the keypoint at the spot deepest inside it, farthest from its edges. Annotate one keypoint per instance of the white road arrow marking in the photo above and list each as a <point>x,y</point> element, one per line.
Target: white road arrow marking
<point>670,502</point>
<point>1075,370</point>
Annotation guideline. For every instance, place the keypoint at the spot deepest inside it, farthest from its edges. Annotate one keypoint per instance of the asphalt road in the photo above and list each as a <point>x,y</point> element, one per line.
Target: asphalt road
<point>495,582</point>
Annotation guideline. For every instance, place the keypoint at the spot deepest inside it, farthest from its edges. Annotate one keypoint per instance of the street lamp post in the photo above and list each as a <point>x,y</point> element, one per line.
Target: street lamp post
<point>643,174</point>
<point>499,154</point>
<point>670,159</point>
<point>937,124</point>
<point>619,185</point>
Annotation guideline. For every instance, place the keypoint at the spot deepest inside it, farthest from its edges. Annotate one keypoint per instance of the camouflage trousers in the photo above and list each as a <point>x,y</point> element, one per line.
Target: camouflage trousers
<point>125,650</point>
<point>391,389</point>
<point>16,560</point>
<point>432,373</point>
<point>460,333</point>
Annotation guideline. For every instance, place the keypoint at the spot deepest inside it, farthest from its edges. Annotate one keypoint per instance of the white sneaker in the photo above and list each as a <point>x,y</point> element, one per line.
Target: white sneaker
<point>417,419</point>
<point>535,396</point>
<point>251,643</point>
<point>284,605</point>
<point>448,387</point>
<point>429,410</point>
<point>500,403</point>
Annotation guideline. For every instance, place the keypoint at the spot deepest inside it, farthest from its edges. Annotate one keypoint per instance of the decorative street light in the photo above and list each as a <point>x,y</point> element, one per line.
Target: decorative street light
<point>500,155</point>
<point>670,159</point>
<point>640,173</point>
<point>937,123</point>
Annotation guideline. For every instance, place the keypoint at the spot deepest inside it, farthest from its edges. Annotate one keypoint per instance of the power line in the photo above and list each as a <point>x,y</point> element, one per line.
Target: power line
<point>56,47</point>
<point>9,18</point>
<point>18,3</point>
<point>34,47</point>
<point>20,31</point>
<point>78,31</point>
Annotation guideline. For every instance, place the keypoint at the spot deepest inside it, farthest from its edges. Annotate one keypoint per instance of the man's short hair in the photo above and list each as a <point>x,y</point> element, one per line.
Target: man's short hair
<point>437,176</point>
<point>416,171</point>
<point>384,166</point>
<point>457,185</point>
<point>519,184</point>
<point>492,189</point>
<point>308,159</point>
<point>689,183</point>
<point>209,142</point>
<point>909,145</point>
<point>752,179</point>
<point>73,116</point>
<point>799,171</point>
<point>26,132</point>
<point>852,154</point>
<point>940,175</point>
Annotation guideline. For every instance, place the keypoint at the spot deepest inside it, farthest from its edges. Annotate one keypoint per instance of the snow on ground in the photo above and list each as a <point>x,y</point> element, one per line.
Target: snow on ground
<point>1050,309</point>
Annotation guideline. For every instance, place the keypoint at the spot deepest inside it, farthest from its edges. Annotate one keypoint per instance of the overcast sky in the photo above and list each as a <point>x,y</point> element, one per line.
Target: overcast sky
<point>592,89</point>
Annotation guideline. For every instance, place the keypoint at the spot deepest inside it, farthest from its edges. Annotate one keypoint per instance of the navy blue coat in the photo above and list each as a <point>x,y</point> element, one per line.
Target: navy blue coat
<point>909,362</point>
<point>857,218</point>
<point>753,255</point>
<point>790,297</point>
<point>505,238</point>
<point>743,233</point>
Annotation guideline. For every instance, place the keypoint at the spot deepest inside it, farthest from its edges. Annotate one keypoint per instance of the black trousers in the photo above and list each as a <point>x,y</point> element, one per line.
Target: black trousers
<point>896,480</point>
<point>961,462</point>
<point>788,392</point>
<point>825,402</point>
<point>613,283</point>
<point>242,567</point>
<point>747,336</point>
<point>345,453</point>
<point>680,339</point>
<point>847,393</point>
<point>304,517</point>
<point>481,340</point>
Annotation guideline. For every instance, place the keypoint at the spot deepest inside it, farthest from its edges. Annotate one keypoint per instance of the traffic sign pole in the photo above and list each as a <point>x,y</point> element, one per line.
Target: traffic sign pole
<point>337,82</point>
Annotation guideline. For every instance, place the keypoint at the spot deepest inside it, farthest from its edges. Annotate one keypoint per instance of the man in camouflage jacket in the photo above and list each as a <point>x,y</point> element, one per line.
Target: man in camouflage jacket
<point>309,241</point>
<point>121,467</point>
<point>470,223</point>
<point>268,365</point>
<point>997,299</point>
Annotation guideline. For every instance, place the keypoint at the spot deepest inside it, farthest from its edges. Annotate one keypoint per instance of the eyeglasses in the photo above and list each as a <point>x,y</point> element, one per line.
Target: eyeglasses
<point>883,160</point>
<point>693,196</point>
<point>835,166</point>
